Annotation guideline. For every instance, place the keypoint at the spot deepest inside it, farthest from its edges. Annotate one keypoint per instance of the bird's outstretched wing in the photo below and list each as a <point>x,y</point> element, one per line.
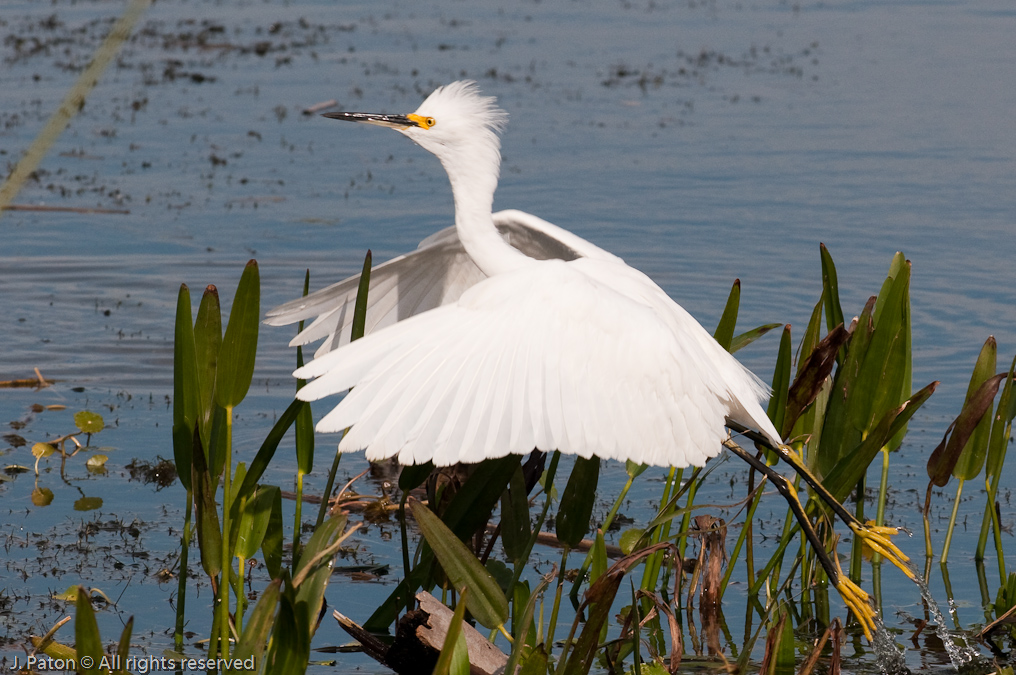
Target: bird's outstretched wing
<point>435,274</point>
<point>585,357</point>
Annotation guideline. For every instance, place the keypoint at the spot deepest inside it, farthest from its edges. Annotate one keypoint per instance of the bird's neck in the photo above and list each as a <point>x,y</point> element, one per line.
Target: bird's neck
<point>473,191</point>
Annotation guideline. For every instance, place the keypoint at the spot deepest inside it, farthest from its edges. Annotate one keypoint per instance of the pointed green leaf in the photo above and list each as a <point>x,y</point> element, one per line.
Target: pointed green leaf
<point>486,602</point>
<point>744,339</point>
<point>360,307</point>
<point>453,638</point>
<point>812,334</point>
<point>124,646</point>
<point>186,394</point>
<point>777,410</point>
<point>235,368</point>
<point>830,289</point>
<point>971,458</point>
<point>725,329</point>
<point>87,641</point>
<point>577,501</point>
<point>943,458</point>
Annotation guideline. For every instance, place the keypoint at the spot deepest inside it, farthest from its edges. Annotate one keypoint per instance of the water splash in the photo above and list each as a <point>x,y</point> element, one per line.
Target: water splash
<point>960,655</point>
<point>888,654</point>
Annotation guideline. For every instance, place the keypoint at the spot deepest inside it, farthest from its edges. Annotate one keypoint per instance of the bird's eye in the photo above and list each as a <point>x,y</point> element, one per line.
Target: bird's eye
<point>429,122</point>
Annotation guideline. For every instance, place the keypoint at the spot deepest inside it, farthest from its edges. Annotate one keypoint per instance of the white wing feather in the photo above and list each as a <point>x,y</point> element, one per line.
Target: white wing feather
<point>435,274</point>
<point>587,357</point>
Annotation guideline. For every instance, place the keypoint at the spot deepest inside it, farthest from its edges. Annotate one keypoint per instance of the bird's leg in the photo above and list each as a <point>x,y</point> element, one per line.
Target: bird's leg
<point>876,537</point>
<point>853,596</point>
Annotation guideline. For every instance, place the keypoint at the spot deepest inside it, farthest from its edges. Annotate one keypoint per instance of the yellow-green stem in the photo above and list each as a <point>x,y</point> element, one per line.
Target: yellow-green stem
<point>952,521</point>
<point>241,603</point>
<point>297,525</point>
<point>883,488</point>
<point>557,599</point>
<point>181,592</point>
<point>227,553</point>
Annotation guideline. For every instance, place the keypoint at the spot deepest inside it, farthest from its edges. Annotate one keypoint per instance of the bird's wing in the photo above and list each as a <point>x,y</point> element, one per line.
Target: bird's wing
<point>552,356</point>
<point>435,274</point>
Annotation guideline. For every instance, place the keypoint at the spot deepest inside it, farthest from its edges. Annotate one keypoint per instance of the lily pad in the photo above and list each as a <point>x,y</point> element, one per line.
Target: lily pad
<point>89,422</point>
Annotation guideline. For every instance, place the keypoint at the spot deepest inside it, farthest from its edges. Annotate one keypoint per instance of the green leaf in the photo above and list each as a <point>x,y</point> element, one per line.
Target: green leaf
<point>257,627</point>
<point>412,476</point>
<point>1001,427</point>
<point>123,648</point>
<point>845,474</point>
<point>360,307</point>
<point>744,339</point>
<point>40,450</point>
<point>96,461</point>
<point>577,501</point>
<point>254,519</point>
<point>971,458</point>
<point>725,329</point>
<point>207,342</point>
<point>271,547</point>
<point>455,641</point>
<point>89,422</point>
<point>838,436</point>
<point>87,641</point>
<point>515,530</point>
<point>289,650</point>
<point>812,334</point>
<point>235,367</point>
<point>629,539</point>
<point>207,520</point>
<point>304,432</point>
<point>943,458</point>
<point>536,662</point>
<point>486,602</point>
<point>781,387</point>
<point>830,289</point>
<point>310,578</point>
<point>186,392</point>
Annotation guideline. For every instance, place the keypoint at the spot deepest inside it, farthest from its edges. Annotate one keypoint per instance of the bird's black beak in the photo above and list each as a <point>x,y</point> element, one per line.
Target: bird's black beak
<point>391,121</point>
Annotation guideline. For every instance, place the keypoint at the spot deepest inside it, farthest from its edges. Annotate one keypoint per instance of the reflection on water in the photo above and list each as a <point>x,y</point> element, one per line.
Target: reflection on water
<point>702,142</point>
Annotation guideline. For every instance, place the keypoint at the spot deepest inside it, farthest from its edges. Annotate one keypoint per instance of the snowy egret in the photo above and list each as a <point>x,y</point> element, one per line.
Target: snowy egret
<point>508,334</point>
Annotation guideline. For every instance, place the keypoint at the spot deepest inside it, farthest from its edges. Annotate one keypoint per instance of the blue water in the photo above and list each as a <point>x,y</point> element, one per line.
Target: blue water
<point>701,141</point>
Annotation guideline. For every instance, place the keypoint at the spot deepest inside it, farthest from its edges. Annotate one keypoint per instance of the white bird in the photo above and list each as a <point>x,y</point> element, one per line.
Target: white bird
<point>509,334</point>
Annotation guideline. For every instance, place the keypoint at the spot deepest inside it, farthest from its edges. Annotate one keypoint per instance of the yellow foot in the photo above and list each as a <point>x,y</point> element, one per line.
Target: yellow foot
<point>857,601</point>
<point>878,539</point>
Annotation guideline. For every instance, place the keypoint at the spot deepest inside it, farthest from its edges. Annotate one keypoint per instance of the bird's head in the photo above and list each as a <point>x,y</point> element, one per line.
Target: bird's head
<point>456,123</point>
